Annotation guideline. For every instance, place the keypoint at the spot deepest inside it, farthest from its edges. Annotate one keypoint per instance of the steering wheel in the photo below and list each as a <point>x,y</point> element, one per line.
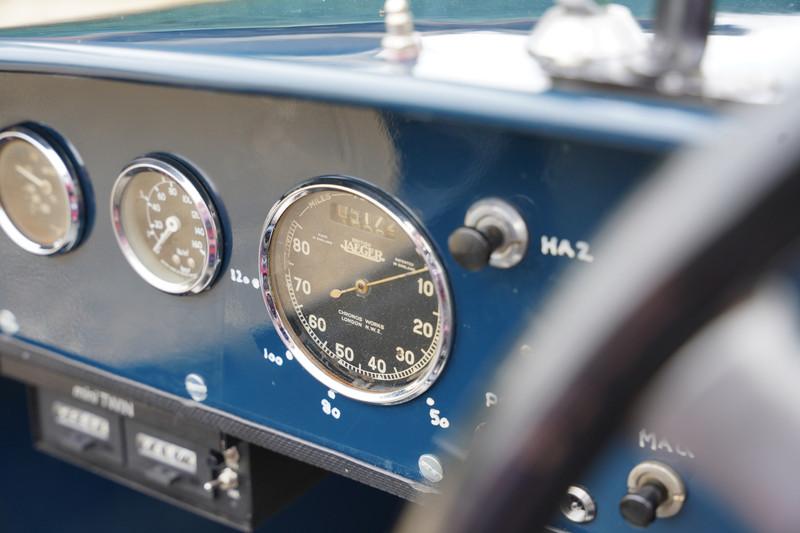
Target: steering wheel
<point>684,247</point>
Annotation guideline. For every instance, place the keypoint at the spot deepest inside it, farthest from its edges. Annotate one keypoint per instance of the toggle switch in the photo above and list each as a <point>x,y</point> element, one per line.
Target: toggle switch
<point>493,234</point>
<point>638,508</point>
<point>472,248</point>
<point>227,479</point>
<point>654,491</point>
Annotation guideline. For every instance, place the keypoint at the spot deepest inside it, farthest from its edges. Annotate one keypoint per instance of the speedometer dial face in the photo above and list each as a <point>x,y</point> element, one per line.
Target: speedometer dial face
<point>356,291</point>
<point>166,225</point>
<point>40,196</point>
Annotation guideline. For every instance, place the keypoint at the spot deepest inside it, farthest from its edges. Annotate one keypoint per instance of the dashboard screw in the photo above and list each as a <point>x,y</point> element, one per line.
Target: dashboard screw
<point>430,467</point>
<point>196,387</point>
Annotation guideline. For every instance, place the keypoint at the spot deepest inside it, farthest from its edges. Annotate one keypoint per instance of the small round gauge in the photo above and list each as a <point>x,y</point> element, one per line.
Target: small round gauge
<point>41,205</point>
<point>166,225</point>
<point>356,290</point>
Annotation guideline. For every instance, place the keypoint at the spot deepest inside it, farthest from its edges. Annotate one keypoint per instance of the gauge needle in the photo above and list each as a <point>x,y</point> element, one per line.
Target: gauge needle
<point>362,285</point>
<point>33,178</point>
<point>173,224</point>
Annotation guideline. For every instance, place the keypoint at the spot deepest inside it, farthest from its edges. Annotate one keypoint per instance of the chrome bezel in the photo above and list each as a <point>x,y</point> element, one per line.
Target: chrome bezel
<point>201,201</point>
<point>414,231</point>
<point>72,189</point>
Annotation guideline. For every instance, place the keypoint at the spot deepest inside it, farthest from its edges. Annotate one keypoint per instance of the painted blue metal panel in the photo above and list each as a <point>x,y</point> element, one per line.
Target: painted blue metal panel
<point>565,160</point>
<point>562,188</point>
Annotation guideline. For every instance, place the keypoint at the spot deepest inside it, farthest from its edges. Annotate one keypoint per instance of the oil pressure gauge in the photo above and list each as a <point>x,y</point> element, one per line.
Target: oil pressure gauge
<point>356,290</point>
<point>166,225</point>
<point>41,204</point>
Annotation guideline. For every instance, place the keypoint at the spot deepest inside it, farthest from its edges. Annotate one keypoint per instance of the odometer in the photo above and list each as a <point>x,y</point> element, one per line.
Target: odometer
<point>356,290</point>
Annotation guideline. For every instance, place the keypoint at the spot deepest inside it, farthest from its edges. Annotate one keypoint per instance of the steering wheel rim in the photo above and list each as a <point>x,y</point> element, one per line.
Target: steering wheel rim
<point>686,245</point>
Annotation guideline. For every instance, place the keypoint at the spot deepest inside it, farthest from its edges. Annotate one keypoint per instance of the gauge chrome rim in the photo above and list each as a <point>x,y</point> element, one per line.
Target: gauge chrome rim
<point>201,201</point>
<point>69,181</point>
<point>414,231</point>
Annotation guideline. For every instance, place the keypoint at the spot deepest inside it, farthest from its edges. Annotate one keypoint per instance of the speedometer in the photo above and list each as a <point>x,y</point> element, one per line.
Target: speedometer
<point>356,290</point>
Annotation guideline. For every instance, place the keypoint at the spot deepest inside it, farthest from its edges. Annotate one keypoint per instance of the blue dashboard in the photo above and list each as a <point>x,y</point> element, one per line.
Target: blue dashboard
<point>255,129</point>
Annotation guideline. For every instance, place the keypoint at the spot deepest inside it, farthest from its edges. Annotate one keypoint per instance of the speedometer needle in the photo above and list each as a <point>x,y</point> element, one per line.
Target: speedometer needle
<point>33,178</point>
<point>173,224</point>
<point>362,285</point>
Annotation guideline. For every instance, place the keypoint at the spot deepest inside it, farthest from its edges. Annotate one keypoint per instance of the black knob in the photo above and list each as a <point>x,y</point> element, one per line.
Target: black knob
<point>639,508</point>
<point>472,248</point>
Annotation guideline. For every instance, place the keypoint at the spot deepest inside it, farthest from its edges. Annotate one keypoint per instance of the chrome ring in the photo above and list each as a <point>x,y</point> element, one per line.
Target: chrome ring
<point>69,180</point>
<point>414,230</point>
<point>201,201</point>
